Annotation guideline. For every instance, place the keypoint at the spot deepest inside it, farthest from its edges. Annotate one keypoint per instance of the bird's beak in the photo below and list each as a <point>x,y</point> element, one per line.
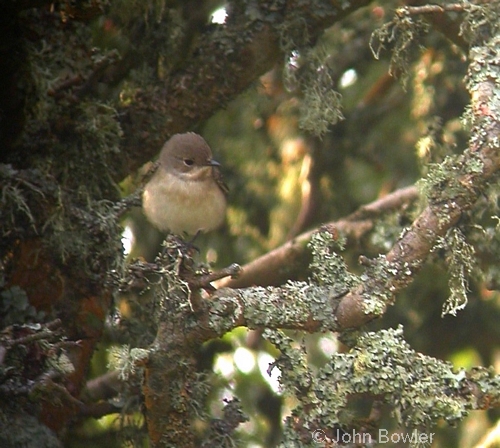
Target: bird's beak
<point>212,162</point>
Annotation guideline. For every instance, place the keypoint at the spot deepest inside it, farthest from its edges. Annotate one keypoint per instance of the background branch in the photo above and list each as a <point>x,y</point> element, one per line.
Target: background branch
<point>215,76</point>
<point>291,260</point>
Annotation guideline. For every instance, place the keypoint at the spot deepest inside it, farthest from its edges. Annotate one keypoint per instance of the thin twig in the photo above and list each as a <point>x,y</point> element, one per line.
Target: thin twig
<point>432,9</point>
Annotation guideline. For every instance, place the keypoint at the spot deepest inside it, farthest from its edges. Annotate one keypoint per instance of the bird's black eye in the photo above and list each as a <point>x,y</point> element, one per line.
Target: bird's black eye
<point>188,162</point>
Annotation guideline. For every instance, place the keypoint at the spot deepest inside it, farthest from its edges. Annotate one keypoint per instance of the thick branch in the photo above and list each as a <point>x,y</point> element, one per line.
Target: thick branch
<point>226,63</point>
<point>297,306</point>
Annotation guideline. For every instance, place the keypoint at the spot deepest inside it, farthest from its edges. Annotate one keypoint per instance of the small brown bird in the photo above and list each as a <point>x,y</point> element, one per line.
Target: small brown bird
<point>186,193</point>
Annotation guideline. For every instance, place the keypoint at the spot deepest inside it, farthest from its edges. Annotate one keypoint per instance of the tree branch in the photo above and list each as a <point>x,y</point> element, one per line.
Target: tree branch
<point>225,63</point>
<point>467,178</point>
<point>287,262</point>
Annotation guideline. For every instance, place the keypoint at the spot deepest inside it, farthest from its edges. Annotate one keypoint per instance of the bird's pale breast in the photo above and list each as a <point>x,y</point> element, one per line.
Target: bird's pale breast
<point>182,206</point>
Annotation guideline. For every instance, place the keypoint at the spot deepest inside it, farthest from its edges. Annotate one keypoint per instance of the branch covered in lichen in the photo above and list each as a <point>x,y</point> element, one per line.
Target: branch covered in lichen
<point>452,187</point>
<point>420,389</point>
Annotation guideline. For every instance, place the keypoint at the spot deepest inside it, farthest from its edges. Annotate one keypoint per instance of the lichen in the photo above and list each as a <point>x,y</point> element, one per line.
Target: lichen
<point>460,261</point>
<point>378,279</point>
<point>403,33</point>
<point>386,232</point>
<point>295,376</point>
<point>328,267</point>
<point>307,68</point>
<point>321,104</point>
<point>126,360</point>
<point>422,389</point>
<point>15,307</point>
<point>480,20</point>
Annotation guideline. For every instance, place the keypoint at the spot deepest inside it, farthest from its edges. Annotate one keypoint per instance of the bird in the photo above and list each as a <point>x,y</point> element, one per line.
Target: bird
<point>186,194</point>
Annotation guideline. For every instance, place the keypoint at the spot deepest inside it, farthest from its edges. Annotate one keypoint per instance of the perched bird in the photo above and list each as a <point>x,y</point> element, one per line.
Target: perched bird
<point>186,194</point>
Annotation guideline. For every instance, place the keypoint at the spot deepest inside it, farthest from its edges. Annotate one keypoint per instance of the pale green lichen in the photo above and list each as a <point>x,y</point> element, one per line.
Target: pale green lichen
<point>125,360</point>
<point>15,307</point>
<point>60,362</point>
<point>386,232</point>
<point>480,20</point>
<point>448,181</point>
<point>442,180</point>
<point>422,389</point>
<point>308,68</point>
<point>460,261</point>
<point>327,266</point>
<point>402,34</point>
<point>295,378</point>
<point>374,305</point>
<point>277,307</point>
<point>378,281</point>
